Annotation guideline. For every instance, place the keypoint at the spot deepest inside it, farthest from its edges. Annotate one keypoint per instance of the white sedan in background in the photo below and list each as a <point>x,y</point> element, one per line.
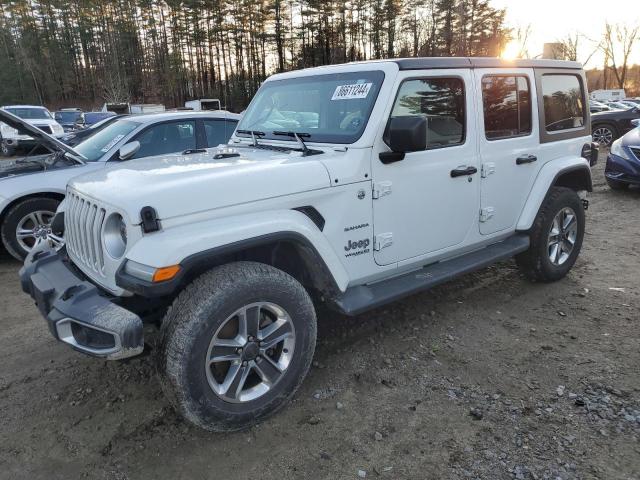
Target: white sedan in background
<point>31,188</point>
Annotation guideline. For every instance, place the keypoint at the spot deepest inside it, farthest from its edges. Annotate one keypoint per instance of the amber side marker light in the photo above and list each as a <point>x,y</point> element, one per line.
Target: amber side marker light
<point>165,273</point>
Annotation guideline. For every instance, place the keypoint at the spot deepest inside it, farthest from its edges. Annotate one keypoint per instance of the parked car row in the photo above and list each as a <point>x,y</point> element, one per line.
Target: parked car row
<point>609,125</point>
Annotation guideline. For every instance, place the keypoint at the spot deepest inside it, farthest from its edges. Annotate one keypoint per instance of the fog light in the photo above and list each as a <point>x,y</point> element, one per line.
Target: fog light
<point>91,338</point>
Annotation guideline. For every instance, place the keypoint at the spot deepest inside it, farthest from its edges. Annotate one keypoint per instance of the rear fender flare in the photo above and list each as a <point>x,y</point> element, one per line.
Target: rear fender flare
<point>572,172</point>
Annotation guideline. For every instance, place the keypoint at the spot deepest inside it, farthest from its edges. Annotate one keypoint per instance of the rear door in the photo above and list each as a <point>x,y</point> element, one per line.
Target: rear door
<point>508,143</point>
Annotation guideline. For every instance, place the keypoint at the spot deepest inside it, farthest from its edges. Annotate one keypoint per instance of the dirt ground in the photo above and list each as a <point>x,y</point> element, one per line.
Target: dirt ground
<point>489,377</point>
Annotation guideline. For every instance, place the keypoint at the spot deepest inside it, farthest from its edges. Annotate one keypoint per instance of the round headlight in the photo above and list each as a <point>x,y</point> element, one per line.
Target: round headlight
<point>115,235</point>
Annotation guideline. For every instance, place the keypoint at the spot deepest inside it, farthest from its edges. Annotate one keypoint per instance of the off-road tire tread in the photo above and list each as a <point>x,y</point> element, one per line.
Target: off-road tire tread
<point>530,261</point>
<point>181,322</point>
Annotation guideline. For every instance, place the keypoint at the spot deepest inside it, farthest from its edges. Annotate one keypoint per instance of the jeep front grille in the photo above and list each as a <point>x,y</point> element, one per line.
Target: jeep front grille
<point>83,228</point>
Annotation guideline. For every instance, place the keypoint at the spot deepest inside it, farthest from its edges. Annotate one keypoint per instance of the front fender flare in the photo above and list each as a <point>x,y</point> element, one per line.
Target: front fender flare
<point>194,244</point>
<point>547,178</point>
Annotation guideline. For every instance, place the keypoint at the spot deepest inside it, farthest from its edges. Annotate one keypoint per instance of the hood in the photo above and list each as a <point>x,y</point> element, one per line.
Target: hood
<point>33,164</point>
<point>27,128</point>
<point>178,185</point>
<point>632,138</point>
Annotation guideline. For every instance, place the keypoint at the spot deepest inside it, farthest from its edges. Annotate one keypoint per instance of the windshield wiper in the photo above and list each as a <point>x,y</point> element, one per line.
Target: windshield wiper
<point>298,136</point>
<point>253,133</point>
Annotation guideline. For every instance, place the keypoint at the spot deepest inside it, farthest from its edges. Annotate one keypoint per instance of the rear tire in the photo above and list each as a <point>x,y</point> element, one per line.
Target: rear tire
<point>556,237</point>
<point>616,185</point>
<point>218,375</point>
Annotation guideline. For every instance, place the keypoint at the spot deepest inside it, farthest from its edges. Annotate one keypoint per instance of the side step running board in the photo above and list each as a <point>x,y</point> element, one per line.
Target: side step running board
<point>364,297</point>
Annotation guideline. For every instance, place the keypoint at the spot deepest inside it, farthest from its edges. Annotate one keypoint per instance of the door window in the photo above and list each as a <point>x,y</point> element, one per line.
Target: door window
<point>218,132</point>
<point>507,106</point>
<point>441,100</point>
<point>563,102</point>
<point>169,137</point>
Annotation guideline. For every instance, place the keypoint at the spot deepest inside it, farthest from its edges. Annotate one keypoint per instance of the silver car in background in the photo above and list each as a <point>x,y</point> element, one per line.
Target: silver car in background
<point>31,188</point>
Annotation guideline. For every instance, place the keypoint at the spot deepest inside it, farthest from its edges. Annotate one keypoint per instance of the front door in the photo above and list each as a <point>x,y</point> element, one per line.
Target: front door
<point>509,146</point>
<point>429,201</point>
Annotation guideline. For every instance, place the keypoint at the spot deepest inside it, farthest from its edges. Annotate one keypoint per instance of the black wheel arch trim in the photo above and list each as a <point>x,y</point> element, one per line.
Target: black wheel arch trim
<point>568,170</point>
<point>195,264</point>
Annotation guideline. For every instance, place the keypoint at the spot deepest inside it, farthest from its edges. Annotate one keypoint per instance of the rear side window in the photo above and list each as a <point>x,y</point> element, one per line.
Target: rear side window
<point>507,106</point>
<point>442,101</point>
<point>218,132</point>
<point>563,102</point>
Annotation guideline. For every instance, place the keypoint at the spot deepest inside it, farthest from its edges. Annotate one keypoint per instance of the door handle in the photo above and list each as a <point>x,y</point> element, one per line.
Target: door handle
<point>526,159</point>
<point>462,171</point>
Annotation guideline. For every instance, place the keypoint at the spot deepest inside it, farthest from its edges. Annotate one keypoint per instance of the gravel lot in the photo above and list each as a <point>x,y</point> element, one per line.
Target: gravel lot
<point>488,377</point>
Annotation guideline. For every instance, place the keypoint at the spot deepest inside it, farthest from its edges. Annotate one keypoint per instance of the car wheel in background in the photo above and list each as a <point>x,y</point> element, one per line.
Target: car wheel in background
<point>26,223</point>
<point>604,134</point>
<point>6,150</point>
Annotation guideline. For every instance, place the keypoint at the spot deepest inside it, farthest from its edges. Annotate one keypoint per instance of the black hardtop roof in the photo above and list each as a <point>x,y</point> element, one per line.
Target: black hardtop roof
<point>420,63</point>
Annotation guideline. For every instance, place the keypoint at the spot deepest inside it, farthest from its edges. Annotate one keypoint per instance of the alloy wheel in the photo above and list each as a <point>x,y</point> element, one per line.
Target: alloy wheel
<point>32,228</point>
<point>602,136</point>
<point>250,352</point>
<point>562,236</point>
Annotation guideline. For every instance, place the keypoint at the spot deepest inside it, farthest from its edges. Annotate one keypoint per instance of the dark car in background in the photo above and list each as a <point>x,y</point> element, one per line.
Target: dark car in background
<point>91,118</point>
<point>70,118</point>
<point>608,126</point>
<point>74,138</point>
<point>623,162</point>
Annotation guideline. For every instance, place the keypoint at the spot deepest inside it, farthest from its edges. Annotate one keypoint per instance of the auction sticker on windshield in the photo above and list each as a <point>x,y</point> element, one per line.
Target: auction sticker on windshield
<point>115,140</point>
<point>350,92</point>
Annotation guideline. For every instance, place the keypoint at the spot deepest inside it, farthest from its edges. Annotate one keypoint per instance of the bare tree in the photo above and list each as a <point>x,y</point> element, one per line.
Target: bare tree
<point>521,36</point>
<point>619,40</point>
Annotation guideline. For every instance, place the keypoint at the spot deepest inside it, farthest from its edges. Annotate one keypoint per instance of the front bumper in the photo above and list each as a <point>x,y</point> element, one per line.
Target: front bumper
<point>77,312</point>
<point>622,170</point>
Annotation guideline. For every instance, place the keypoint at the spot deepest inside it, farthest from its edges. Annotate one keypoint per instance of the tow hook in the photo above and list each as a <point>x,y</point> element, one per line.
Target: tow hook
<point>585,204</point>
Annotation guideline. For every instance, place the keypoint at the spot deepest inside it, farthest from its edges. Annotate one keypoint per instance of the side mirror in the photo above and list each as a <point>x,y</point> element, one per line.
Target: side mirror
<point>405,134</point>
<point>635,122</point>
<point>129,150</point>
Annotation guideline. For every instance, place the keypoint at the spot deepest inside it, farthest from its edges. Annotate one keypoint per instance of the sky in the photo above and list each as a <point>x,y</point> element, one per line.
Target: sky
<point>551,20</point>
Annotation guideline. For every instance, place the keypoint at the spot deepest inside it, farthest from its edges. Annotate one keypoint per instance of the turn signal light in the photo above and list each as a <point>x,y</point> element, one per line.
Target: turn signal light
<point>165,273</point>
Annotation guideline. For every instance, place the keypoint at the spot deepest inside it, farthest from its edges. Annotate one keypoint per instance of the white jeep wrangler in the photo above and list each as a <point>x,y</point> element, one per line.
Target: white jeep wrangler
<point>354,185</point>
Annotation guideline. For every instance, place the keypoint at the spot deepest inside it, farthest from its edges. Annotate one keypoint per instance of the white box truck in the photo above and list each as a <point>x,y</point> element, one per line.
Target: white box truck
<point>608,95</point>
<point>204,104</point>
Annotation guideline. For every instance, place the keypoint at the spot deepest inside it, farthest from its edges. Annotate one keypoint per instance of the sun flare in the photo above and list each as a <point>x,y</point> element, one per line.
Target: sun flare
<point>511,50</point>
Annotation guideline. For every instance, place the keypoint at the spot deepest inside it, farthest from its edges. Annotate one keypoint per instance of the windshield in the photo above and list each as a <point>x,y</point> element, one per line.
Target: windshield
<point>30,113</point>
<point>101,142</point>
<point>67,117</point>
<point>331,108</point>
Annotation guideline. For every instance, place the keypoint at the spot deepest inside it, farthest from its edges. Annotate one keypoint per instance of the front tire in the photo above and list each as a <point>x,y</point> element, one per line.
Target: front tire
<point>26,223</point>
<point>556,237</point>
<point>236,345</point>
